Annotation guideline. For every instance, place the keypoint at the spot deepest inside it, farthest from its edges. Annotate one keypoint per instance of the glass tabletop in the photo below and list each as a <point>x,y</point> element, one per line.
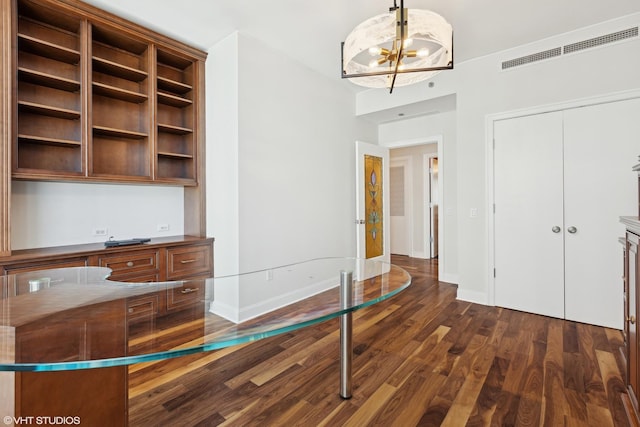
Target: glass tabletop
<point>77,318</point>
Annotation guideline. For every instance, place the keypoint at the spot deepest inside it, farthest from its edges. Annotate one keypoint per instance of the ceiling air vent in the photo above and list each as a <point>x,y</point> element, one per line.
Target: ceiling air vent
<point>629,33</point>
<point>534,57</point>
<point>599,41</point>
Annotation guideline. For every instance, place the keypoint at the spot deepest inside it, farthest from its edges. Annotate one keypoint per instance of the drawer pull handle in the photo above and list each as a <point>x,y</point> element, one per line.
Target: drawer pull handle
<point>188,290</point>
<point>187,261</point>
<point>130,264</point>
<point>131,310</point>
<point>631,319</point>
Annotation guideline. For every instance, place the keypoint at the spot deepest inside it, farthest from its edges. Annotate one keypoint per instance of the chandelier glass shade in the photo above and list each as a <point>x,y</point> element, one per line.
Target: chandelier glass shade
<point>398,48</point>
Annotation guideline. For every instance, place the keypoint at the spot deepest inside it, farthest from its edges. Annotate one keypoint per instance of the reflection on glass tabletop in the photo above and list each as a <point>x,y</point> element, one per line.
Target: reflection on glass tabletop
<point>76,318</point>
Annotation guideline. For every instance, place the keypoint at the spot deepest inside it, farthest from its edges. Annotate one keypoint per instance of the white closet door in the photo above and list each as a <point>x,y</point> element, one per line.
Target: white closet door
<point>528,196</point>
<point>601,144</point>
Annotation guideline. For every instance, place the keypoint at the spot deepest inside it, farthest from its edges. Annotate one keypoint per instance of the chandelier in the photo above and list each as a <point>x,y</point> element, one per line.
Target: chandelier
<point>398,48</point>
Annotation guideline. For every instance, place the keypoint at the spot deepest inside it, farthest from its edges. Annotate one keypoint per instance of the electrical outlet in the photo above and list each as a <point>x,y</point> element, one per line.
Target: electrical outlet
<point>101,231</point>
<point>163,227</point>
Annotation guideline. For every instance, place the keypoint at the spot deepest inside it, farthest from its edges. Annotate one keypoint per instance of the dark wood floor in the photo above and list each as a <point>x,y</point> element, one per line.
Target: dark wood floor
<point>421,358</point>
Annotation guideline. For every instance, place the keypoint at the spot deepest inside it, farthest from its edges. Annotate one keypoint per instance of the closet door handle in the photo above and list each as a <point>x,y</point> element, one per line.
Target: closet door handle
<point>555,229</point>
<point>572,230</point>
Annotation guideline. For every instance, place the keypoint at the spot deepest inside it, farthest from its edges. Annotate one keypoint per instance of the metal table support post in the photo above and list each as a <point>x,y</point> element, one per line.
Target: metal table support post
<point>346,352</point>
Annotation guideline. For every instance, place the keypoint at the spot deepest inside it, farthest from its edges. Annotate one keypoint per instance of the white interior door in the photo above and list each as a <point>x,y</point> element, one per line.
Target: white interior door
<point>399,207</point>
<point>601,143</point>
<point>528,219</point>
<point>372,203</point>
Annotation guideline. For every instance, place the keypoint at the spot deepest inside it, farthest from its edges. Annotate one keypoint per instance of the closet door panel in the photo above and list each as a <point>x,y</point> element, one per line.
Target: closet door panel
<point>528,194</point>
<point>600,142</point>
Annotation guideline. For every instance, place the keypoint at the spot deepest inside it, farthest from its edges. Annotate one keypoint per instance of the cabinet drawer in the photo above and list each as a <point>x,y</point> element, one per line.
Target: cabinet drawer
<point>137,264</point>
<point>143,307</point>
<point>189,261</point>
<point>145,277</point>
<point>45,265</point>
<point>185,296</point>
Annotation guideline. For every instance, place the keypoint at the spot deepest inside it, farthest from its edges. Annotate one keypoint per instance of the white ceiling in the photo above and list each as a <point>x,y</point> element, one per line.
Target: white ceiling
<point>311,30</point>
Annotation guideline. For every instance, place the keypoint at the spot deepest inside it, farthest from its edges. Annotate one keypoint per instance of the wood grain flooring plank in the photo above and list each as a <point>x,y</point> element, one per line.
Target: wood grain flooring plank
<point>554,405</point>
<point>490,393</point>
<point>613,385</point>
<point>410,400</point>
<point>371,406</point>
<point>465,402</point>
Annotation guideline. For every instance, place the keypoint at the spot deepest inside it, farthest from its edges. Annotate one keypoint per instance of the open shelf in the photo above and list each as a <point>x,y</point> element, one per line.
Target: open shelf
<point>33,139</point>
<point>119,93</point>
<point>120,157</point>
<point>48,110</point>
<point>121,119</point>
<point>173,100</point>
<point>54,159</point>
<point>49,137</point>
<point>176,147</point>
<point>175,155</point>
<point>48,50</point>
<point>49,80</point>
<point>119,70</point>
<point>119,133</point>
<point>99,99</point>
<point>173,86</point>
<point>177,130</point>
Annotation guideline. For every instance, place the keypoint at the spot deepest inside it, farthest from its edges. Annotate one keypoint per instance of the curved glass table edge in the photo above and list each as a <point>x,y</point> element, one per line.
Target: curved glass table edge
<point>215,345</point>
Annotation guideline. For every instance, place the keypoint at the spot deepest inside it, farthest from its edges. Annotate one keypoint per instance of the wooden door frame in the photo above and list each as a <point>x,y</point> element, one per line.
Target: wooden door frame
<point>490,120</point>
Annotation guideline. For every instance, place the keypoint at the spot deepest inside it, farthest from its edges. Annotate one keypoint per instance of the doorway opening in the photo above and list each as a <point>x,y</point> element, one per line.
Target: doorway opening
<point>415,191</point>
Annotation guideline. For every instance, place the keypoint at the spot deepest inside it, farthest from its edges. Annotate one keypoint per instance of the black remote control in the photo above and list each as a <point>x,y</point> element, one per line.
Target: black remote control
<point>113,243</point>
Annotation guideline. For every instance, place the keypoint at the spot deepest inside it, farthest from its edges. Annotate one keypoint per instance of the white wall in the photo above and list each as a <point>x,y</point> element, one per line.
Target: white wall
<point>481,89</point>
<point>222,154</point>
<point>293,159</point>
<point>45,214</point>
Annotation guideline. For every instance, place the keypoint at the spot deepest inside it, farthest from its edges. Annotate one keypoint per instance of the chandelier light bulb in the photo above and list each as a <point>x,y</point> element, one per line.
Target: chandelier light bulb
<point>423,53</point>
<point>375,50</point>
<point>406,43</point>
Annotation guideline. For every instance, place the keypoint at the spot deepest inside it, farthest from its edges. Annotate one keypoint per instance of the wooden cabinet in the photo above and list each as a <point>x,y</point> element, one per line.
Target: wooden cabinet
<point>99,331</point>
<point>176,106</point>
<point>121,115</point>
<point>188,261</point>
<point>89,96</point>
<point>167,258</point>
<point>107,329</point>
<point>132,266</point>
<point>49,101</point>
<point>632,304</point>
<point>101,98</point>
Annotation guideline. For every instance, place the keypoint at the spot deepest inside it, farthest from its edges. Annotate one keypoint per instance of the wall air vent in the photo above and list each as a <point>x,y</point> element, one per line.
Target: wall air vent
<point>627,34</point>
<point>534,57</point>
<point>599,41</point>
